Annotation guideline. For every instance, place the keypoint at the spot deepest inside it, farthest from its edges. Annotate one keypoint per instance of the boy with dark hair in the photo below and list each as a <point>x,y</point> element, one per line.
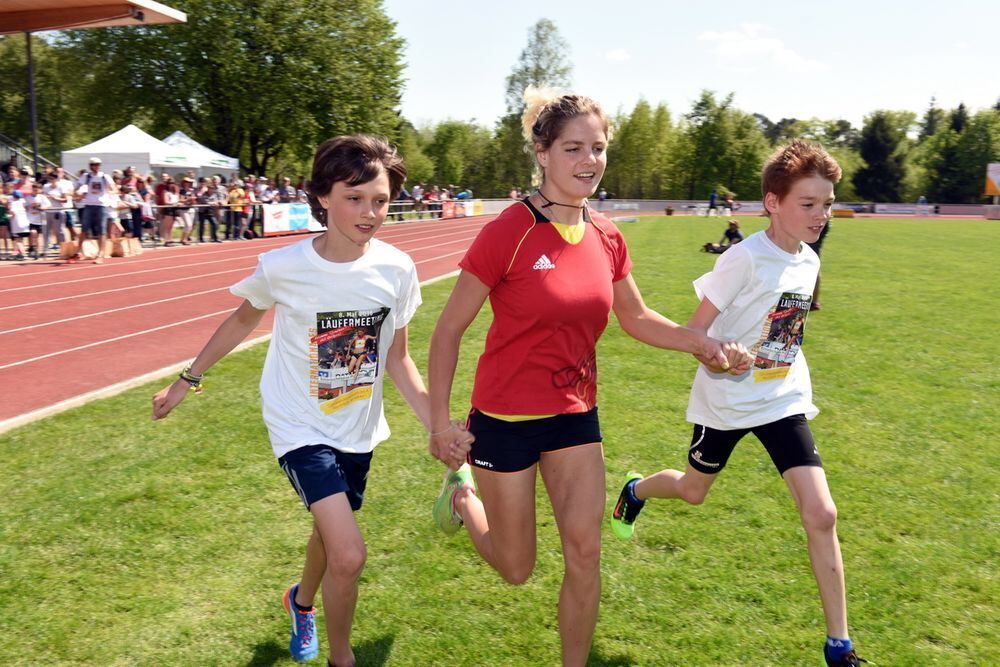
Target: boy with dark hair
<point>759,294</point>
<point>322,426</point>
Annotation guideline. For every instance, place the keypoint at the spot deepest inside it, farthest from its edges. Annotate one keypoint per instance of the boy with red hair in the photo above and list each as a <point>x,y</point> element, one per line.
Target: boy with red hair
<point>759,294</point>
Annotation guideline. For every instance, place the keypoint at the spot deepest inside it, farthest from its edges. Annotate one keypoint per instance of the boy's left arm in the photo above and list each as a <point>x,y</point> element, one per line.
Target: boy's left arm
<point>410,384</point>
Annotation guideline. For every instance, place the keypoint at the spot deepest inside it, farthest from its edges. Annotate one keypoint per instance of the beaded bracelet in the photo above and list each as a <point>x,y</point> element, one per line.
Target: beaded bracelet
<point>192,379</point>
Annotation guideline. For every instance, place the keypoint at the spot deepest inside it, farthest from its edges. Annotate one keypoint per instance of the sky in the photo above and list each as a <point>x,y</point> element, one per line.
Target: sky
<point>783,59</point>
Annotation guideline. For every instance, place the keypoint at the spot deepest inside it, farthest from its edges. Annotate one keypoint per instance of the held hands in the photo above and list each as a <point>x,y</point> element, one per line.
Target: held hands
<point>168,398</point>
<point>451,445</point>
<point>719,357</point>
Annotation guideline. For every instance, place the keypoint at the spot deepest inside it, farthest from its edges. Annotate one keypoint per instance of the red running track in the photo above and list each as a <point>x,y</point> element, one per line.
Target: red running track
<point>68,331</point>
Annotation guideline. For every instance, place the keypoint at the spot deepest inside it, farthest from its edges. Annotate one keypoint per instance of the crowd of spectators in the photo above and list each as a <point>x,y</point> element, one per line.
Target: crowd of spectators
<point>40,211</point>
<point>430,202</point>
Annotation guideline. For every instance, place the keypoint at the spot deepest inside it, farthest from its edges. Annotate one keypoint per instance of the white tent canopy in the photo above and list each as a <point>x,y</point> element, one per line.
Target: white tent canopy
<point>211,161</point>
<point>127,147</point>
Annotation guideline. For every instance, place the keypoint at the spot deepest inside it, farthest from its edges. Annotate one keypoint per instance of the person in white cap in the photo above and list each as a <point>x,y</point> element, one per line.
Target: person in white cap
<point>97,188</point>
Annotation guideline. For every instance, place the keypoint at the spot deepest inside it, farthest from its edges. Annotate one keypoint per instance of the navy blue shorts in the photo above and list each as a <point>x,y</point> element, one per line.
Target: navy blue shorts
<point>788,441</point>
<point>503,446</point>
<point>318,471</point>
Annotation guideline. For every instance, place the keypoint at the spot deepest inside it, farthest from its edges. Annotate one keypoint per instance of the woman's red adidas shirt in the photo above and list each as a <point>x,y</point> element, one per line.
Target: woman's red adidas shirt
<point>551,301</point>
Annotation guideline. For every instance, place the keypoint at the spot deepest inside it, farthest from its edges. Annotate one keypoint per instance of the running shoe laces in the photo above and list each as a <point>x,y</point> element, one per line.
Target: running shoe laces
<point>849,659</point>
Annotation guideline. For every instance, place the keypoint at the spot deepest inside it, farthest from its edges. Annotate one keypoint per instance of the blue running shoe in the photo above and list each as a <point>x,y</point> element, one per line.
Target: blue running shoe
<point>303,645</point>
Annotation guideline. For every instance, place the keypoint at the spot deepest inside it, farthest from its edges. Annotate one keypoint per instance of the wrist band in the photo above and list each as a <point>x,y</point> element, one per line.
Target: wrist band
<point>192,379</point>
<point>450,426</point>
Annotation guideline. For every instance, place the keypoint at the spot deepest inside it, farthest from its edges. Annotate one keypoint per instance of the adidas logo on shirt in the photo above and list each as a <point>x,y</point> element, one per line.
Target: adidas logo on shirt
<point>543,263</point>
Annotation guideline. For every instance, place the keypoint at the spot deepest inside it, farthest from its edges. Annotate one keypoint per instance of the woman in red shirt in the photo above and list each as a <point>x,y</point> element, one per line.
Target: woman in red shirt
<point>553,270</point>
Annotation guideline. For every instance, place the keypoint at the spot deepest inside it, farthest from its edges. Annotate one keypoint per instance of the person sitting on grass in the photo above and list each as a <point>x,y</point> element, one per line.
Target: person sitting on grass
<point>730,237</point>
<point>756,288</point>
<point>324,439</point>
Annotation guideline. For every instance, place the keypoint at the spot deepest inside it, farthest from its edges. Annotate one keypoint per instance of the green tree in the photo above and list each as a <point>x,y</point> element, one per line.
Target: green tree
<point>959,118</point>
<point>259,80</point>
<point>542,62</point>
<point>880,179</point>
<point>632,154</point>
<point>55,88</point>
<point>664,139</point>
<point>933,120</point>
<point>419,166</point>
<point>456,147</point>
<point>956,163</point>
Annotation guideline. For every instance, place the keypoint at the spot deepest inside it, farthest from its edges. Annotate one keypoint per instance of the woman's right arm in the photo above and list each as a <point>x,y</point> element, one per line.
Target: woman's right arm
<point>463,305</point>
<point>229,334</point>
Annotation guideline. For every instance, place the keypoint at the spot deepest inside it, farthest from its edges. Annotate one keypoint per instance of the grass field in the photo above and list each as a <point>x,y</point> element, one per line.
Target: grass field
<point>128,542</point>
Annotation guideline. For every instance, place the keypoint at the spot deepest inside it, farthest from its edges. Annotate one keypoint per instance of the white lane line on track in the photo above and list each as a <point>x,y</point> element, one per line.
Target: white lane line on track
<point>122,289</point>
<point>113,310</point>
<point>197,263</point>
<point>147,259</point>
<point>173,298</point>
<point>112,340</point>
<point>201,275</point>
<point>271,242</point>
<point>119,387</point>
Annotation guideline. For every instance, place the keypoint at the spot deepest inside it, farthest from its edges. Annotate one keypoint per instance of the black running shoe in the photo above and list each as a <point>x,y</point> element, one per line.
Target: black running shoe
<point>849,659</point>
<point>624,514</point>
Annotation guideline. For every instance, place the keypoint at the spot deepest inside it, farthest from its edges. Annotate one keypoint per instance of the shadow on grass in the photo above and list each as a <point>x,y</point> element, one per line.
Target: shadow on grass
<point>596,659</point>
<point>372,653</point>
<point>267,653</point>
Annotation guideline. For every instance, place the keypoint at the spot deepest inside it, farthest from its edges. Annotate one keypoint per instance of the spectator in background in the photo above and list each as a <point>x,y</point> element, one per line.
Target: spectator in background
<point>248,213</point>
<point>9,170</point>
<point>130,178</point>
<point>167,198</point>
<point>729,206</point>
<point>6,246</point>
<point>20,228</point>
<point>209,198</point>
<point>236,197</point>
<point>185,214</point>
<point>24,181</point>
<point>96,187</point>
<point>730,237</point>
<point>132,212</point>
<point>145,190</point>
<point>36,204</point>
<point>713,199</point>
<point>285,191</point>
<point>418,200</point>
<point>433,200</point>
<point>59,192</point>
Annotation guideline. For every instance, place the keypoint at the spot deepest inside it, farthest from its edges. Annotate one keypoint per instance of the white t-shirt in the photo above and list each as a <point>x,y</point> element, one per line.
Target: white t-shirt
<point>321,309</point>
<point>53,190</point>
<point>18,216</point>
<point>98,188</point>
<point>36,205</point>
<point>763,294</point>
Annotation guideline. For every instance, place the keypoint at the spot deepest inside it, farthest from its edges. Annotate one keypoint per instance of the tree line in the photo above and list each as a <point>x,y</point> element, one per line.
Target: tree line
<point>267,81</point>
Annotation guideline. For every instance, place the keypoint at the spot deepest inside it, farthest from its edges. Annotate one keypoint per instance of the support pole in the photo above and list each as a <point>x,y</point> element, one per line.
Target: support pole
<point>31,103</point>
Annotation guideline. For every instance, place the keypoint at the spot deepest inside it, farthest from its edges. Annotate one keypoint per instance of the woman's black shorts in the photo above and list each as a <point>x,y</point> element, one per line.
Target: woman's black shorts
<point>505,446</point>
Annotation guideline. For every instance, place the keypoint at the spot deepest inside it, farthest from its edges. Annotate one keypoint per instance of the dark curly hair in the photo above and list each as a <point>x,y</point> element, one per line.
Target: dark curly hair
<point>353,159</point>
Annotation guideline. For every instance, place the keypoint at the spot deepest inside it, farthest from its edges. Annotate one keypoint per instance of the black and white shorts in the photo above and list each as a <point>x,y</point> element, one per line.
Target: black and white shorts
<point>788,441</point>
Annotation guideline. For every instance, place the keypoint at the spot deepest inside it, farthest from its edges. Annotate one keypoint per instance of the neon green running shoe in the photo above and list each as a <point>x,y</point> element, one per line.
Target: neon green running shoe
<point>444,507</point>
<point>626,510</point>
